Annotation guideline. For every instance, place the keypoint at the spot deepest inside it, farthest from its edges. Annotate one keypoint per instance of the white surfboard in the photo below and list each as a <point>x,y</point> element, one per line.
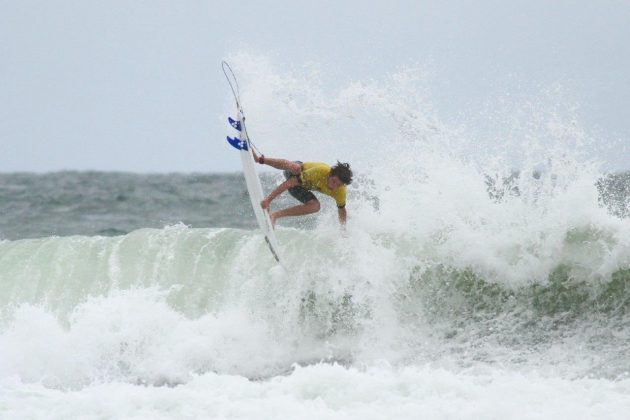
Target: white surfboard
<point>254,187</point>
<point>243,144</point>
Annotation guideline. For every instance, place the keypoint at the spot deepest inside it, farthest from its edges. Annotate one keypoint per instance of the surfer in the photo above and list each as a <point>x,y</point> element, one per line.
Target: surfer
<point>302,178</point>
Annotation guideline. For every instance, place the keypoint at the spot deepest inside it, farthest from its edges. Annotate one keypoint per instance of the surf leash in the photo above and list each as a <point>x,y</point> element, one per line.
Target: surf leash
<point>226,68</point>
<point>231,77</point>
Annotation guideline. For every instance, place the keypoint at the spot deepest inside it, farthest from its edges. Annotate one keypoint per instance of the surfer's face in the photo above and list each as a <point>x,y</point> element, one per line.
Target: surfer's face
<point>334,182</point>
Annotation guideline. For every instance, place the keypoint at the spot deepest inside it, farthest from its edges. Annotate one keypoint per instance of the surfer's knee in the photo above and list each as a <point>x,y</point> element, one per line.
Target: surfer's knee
<point>313,205</point>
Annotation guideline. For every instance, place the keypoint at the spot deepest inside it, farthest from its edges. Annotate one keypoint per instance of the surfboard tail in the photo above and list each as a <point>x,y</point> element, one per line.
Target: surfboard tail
<point>237,143</point>
<point>234,123</point>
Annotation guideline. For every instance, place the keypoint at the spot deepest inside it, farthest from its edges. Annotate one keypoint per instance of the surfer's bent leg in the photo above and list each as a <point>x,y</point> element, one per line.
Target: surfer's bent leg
<point>310,204</point>
<point>310,207</point>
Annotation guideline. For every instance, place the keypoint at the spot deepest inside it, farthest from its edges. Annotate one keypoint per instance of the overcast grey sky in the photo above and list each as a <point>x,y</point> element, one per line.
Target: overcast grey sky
<point>137,85</point>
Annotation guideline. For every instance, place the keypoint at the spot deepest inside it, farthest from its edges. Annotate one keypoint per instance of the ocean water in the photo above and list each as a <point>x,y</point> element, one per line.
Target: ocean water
<point>467,285</point>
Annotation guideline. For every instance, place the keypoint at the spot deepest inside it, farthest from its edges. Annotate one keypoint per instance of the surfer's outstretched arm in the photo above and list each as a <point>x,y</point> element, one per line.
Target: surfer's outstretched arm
<point>291,182</point>
<point>343,215</point>
<point>282,164</point>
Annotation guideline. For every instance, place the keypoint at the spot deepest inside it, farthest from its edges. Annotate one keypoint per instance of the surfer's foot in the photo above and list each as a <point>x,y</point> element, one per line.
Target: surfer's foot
<point>258,159</point>
<point>273,218</point>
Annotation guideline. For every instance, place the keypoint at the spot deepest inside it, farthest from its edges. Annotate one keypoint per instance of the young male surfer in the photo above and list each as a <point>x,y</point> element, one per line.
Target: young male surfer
<point>304,177</point>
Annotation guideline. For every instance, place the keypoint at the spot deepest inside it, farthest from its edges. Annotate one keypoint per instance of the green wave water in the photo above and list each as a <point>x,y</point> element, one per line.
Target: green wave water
<point>350,297</point>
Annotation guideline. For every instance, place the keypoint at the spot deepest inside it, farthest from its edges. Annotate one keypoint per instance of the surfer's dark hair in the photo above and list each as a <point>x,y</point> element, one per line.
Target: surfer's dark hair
<point>343,172</point>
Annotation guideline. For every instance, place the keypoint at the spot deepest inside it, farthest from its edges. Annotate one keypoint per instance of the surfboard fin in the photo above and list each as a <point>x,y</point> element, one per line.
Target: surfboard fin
<point>237,143</point>
<point>234,123</point>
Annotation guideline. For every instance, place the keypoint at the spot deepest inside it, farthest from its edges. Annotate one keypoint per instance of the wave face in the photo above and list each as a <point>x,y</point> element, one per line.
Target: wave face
<point>157,304</point>
<point>459,281</point>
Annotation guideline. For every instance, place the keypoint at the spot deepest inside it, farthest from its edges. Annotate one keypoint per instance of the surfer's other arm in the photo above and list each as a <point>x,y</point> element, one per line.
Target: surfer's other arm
<point>291,182</point>
<point>343,215</point>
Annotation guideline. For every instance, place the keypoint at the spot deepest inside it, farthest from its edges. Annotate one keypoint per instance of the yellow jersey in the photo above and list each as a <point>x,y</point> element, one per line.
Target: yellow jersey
<point>314,176</point>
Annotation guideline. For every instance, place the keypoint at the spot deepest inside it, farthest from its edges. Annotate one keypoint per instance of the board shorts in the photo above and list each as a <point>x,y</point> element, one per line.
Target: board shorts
<point>299,192</point>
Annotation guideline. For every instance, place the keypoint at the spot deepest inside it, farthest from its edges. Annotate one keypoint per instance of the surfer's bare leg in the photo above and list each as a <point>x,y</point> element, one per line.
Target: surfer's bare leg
<point>282,164</point>
<point>299,210</point>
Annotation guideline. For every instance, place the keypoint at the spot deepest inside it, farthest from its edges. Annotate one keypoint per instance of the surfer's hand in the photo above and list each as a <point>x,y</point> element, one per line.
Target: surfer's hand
<point>265,203</point>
